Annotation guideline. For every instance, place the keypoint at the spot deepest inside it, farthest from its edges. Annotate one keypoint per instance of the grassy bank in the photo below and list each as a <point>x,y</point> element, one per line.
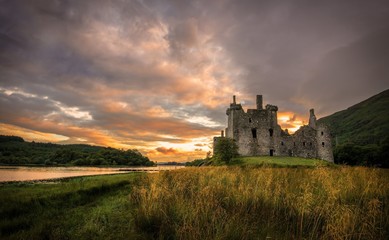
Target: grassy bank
<point>78,208</point>
<point>276,161</point>
<point>263,203</point>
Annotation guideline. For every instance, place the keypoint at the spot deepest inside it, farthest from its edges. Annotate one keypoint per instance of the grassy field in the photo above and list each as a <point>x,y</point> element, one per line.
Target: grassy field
<point>234,202</point>
<point>78,208</point>
<point>264,203</point>
<point>280,161</point>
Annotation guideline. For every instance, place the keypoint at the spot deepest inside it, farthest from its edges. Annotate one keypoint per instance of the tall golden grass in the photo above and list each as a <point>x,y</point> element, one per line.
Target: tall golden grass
<point>263,203</point>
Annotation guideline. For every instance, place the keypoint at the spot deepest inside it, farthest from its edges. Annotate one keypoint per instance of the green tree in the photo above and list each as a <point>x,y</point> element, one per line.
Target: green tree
<point>225,149</point>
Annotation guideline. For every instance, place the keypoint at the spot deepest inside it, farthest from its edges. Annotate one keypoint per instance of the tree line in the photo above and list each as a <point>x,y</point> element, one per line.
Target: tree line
<point>14,150</point>
<point>376,155</point>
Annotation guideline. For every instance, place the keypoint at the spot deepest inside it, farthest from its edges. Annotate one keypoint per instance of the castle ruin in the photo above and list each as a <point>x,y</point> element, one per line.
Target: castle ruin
<point>257,133</point>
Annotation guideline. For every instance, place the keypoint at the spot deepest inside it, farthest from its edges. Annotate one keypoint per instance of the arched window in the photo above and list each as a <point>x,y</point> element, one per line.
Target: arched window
<point>322,133</point>
<point>322,144</point>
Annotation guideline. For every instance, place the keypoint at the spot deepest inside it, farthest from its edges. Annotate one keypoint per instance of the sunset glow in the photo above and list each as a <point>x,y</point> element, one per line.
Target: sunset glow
<point>157,76</point>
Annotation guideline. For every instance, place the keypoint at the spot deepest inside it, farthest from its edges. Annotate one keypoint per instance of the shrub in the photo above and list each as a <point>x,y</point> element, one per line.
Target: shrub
<point>225,150</point>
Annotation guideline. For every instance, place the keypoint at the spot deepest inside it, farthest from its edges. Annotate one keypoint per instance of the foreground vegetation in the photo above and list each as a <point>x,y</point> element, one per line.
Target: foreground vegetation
<point>78,208</point>
<point>15,151</point>
<point>235,202</point>
<point>260,203</point>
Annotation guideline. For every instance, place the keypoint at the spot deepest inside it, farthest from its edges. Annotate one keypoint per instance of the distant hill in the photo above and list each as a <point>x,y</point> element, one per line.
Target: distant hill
<point>364,123</point>
<point>15,151</point>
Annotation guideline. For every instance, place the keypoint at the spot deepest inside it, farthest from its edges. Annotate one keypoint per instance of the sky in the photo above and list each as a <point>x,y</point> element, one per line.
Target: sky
<point>157,76</point>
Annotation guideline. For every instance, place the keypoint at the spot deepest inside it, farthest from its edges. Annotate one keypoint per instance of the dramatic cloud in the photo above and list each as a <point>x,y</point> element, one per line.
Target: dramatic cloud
<point>158,75</point>
<point>167,151</point>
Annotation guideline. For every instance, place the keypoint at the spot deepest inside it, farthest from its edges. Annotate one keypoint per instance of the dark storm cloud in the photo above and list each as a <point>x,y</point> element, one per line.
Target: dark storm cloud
<point>25,107</point>
<point>347,73</point>
<point>146,72</point>
<point>280,44</point>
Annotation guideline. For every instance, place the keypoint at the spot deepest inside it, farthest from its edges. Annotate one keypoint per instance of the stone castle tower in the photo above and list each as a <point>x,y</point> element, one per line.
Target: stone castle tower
<point>257,133</point>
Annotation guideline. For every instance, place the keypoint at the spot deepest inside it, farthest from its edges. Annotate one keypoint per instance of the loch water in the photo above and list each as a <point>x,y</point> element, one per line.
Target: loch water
<point>22,173</point>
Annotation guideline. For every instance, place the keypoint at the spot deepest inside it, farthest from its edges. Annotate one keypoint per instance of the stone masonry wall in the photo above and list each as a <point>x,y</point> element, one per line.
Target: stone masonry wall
<point>257,132</point>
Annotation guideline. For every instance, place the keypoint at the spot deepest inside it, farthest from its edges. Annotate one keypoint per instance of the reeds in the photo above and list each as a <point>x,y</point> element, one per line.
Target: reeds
<point>263,203</point>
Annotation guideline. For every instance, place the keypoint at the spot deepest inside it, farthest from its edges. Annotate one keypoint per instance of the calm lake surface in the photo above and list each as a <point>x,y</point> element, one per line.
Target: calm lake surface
<point>11,173</point>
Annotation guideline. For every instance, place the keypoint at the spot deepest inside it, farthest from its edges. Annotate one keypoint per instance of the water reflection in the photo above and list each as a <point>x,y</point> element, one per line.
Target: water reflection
<point>42,173</point>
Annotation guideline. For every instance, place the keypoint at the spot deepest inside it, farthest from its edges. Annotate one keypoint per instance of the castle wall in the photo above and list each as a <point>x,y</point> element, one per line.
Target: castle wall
<point>257,133</point>
<point>324,144</point>
<point>304,143</point>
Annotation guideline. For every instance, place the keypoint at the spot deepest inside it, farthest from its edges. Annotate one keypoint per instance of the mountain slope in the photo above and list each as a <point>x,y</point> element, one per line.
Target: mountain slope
<point>364,123</point>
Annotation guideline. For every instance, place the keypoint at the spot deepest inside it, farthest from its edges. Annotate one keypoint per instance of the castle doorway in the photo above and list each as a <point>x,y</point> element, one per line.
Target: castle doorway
<point>271,152</point>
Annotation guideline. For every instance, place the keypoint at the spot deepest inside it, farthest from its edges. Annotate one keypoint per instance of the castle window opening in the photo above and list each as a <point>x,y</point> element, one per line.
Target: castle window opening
<point>282,143</point>
<point>271,132</point>
<point>304,144</point>
<point>249,120</point>
<point>322,144</point>
<point>294,144</point>
<point>322,133</point>
<point>271,152</point>
<point>254,132</point>
<point>310,144</point>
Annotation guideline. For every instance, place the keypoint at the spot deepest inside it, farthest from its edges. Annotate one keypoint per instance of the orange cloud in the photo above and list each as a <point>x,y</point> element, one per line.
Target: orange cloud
<point>30,135</point>
<point>166,151</point>
<point>290,121</point>
<point>179,156</point>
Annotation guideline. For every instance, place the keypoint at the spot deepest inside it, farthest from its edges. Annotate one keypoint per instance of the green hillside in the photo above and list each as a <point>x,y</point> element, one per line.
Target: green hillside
<point>360,133</point>
<point>364,123</point>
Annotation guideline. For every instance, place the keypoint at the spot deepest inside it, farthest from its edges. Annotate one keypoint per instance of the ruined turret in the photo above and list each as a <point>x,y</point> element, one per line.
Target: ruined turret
<point>233,112</point>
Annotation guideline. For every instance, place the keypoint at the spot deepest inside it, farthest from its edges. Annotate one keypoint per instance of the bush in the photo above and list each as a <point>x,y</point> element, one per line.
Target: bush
<point>225,150</point>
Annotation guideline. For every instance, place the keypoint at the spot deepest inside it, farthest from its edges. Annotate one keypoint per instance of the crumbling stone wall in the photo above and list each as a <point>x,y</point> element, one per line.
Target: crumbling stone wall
<point>324,143</point>
<point>257,133</point>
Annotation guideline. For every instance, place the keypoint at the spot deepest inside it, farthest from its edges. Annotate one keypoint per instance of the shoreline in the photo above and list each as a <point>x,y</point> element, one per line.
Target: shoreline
<point>61,179</point>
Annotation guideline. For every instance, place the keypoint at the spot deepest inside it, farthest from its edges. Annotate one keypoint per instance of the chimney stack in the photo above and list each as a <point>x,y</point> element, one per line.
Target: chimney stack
<point>259,102</point>
<point>312,119</point>
<point>234,99</point>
